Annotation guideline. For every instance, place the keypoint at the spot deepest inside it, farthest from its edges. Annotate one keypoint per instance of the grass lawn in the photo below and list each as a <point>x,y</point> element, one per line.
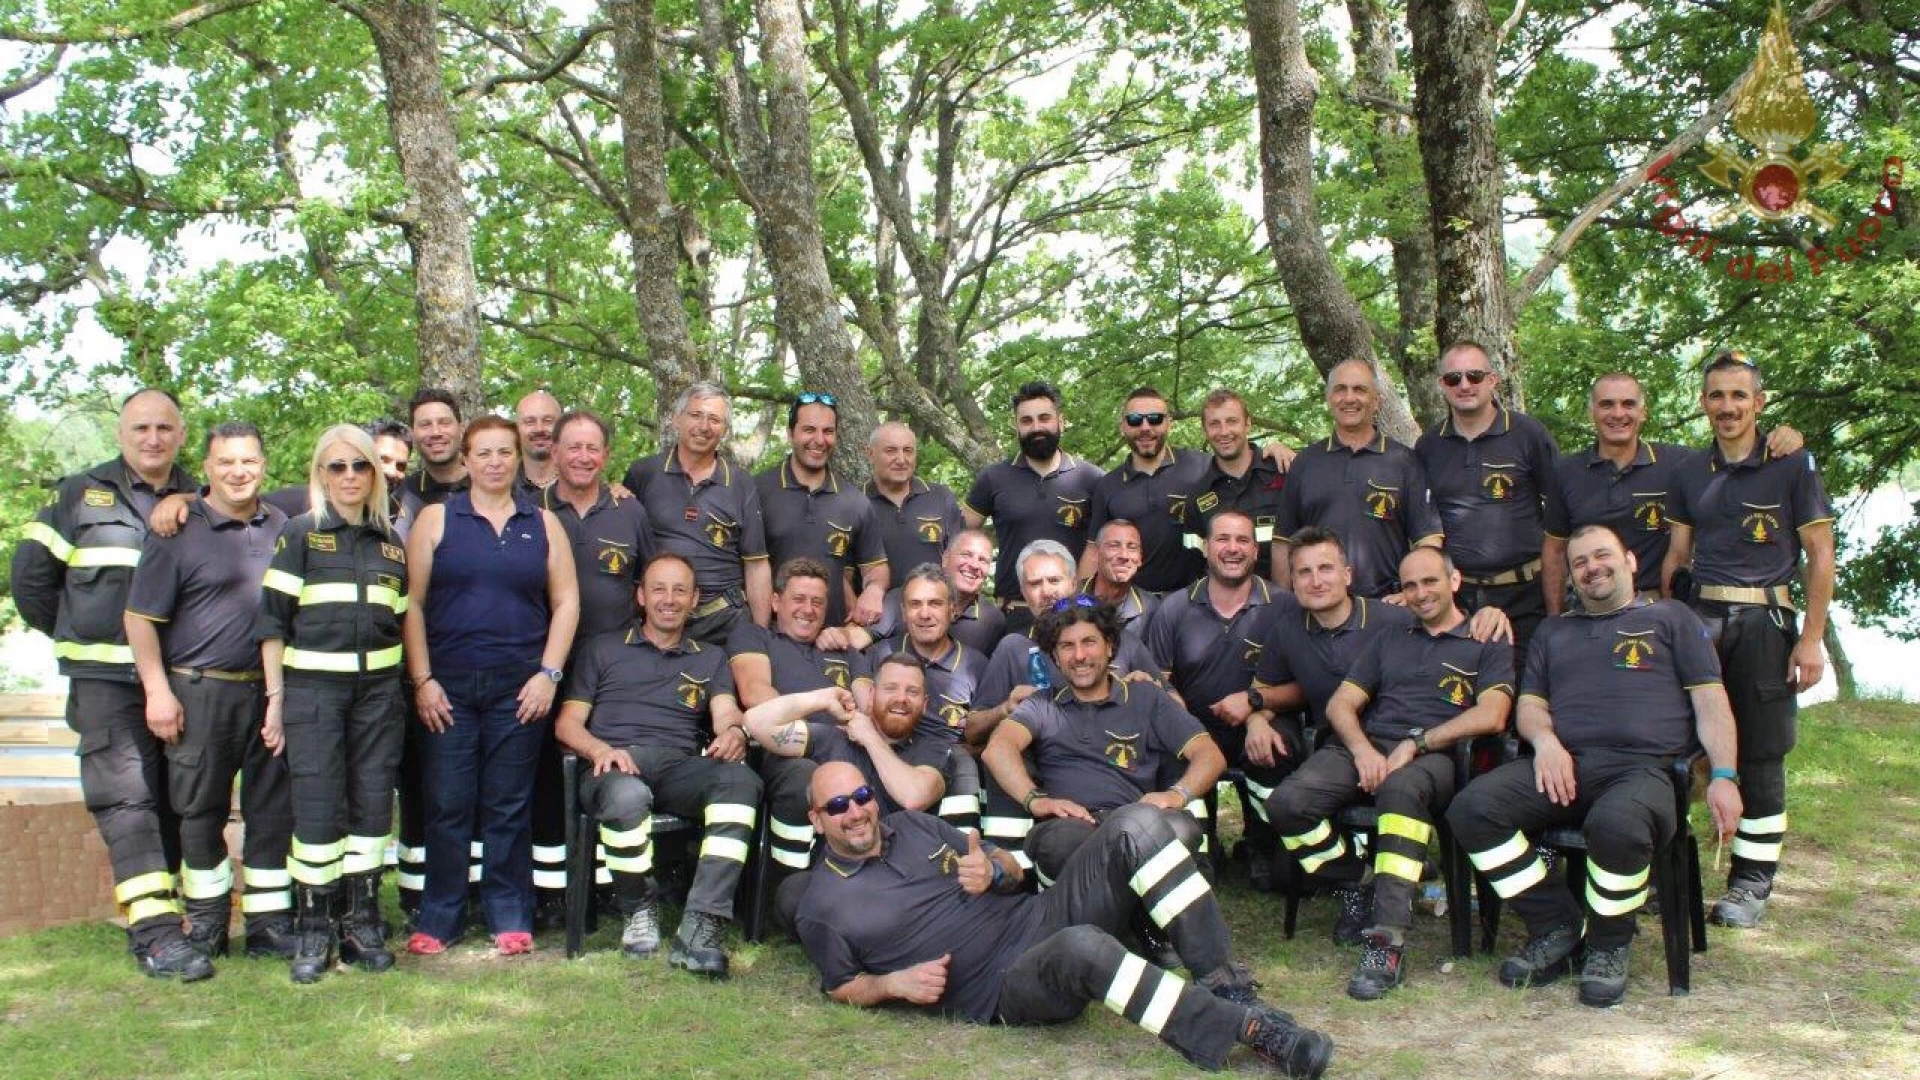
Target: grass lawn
<point>1829,987</point>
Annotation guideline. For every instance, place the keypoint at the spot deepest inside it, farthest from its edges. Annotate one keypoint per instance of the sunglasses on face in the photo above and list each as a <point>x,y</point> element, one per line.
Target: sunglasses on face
<point>1135,419</point>
<point>1455,378</point>
<point>1076,600</point>
<point>357,466</point>
<point>812,398</point>
<point>840,804</point>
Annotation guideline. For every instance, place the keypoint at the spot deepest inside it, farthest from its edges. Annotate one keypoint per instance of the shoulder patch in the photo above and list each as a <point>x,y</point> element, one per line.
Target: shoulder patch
<point>102,497</point>
<point>394,552</point>
<point>322,541</point>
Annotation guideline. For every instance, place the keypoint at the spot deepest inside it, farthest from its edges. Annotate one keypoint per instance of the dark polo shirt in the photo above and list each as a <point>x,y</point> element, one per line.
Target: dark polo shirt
<point>1007,667</point>
<point>715,524</point>
<point>1747,515</point>
<point>979,625</point>
<point>1135,609</point>
<point>1026,506</point>
<point>1107,753</point>
<point>951,679</point>
<point>832,523</point>
<point>829,742</point>
<point>420,490</point>
<point>1256,493</point>
<point>643,696</point>
<point>1205,657</point>
<point>1635,501</point>
<point>1300,650</point>
<point>917,529</point>
<point>904,905</point>
<point>1620,681</point>
<point>798,667</point>
<point>202,585</point>
<point>1415,679</point>
<point>1494,491</point>
<point>1375,500</point>
<point>1160,504</point>
<point>612,545</point>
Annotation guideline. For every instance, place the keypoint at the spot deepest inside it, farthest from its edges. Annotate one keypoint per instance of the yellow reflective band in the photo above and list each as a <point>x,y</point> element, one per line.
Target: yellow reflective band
<point>1025,860</point>
<point>631,864</point>
<point>360,862</point>
<point>475,872</point>
<point>1386,862</point>
<point>103,556</point>
<point>959,805</point>
<point>1011,828</point>
<point>730,814</point>
<point>316,875</point>
<point>1315,860</point>
<point>549,853</point>
<point>387,598</point>
<point>1405,827</point>
<point>1764,826</point>
<point>365,845</point>
<point>330,592</point>
<point>318,854</point>
<point>1758,852</point>
<point>412,854</point>
<point>259,903</point>
<point>282,582</point>
<point>1258,791</point>
<point>99,652</point>
<point>1311,837</point>
<point>43,534</point>
<point>475,850</point>
<point>602,876</point>
<point>1603,904</point>
<point>801,834</point>
<point>1125,981</point>
<point>159,881</point>
<point>1613,882</point>
<point>795,860</point>
<point>401,605</point>
<point>1160,1009</point>
<point>416,882</point>
<point>724,847</point>
<point>152,907</point>
<point>382,659</point>
<point>635,837</point>
<point>1179,900</point>
<point>549,879</point>
<point>341,662</point>
<point>1520,880</point>
<point>1157,868</point>
<point>1198,808</point>
<point>1495,857</point>
<point>266,877</point>
<point>197,884</point>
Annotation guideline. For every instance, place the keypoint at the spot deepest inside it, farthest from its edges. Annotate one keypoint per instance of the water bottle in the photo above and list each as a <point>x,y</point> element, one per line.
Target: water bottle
<point>1037,669</point>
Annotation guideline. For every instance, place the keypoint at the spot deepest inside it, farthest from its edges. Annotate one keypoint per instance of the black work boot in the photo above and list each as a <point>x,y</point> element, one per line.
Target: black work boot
<point>1298,1052</point>
<point>1382,964</point>
<point>313,934</point>
<point>165,954</point>
<point>270,936</point>
<point>1543,959</point>
<point>1233,982</point>
<point>363,933</point>
<point>209,925</point>
<point>1603,976</point>
<point>696,946</point>
<point>1356,911</point>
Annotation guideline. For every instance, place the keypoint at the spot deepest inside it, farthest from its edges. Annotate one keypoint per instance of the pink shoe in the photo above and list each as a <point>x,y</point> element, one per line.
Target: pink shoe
<point>425,945</point>
<point>513,942</point>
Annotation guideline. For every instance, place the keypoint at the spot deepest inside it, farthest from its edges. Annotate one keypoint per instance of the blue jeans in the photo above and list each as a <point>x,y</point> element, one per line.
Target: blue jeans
<point>481,771</point>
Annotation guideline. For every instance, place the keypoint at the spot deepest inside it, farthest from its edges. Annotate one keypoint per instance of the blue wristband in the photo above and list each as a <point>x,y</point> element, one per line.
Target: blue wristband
<point>1724,774</point>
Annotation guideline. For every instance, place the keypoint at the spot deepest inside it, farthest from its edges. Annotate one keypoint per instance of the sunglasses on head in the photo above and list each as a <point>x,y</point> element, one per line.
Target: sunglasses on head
<point>1476,377</point>
<point>1076,600</point>
<point>1135,419</point>
<point>812,398</point>
<point>1732,358</point>
<point>357,465</point>
<point>840,804</point>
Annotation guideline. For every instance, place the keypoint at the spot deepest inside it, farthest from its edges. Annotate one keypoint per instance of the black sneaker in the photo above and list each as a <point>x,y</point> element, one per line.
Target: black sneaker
<point>1356,913</point>
<point>1297,1052</point>
<point>696,947</point>
<point>173,957</point>
<point>1603,977</point>
<point>1541,960</point>
<point>1236,984</point>
<point>1381,967</point>
<point>1740,908</point>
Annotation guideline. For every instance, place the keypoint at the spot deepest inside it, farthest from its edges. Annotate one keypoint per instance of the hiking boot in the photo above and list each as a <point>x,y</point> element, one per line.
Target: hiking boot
<point>641,936</point>
<point>1157,946</point>
<point>313,935</point>
<point>173,957</point>
<point>696,946</point>
<point>1297,1052</point>
<point>272,937</point>
<point>1235,983</point>
<point>363,933</point>
<point>1356,913</point>
<point>1603,977</point>
<point>1541,960</point>
<point>1381,966</point>
<point>1739,908</point>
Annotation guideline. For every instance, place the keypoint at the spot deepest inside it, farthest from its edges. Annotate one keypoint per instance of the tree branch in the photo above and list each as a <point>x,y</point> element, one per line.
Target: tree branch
<point>105,34</point>
<point>39,75</point>
<point>560,62</point>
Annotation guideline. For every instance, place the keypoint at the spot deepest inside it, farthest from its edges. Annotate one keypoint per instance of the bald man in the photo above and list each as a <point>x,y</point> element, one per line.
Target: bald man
<point>537,416</point>
<point>916,520</point>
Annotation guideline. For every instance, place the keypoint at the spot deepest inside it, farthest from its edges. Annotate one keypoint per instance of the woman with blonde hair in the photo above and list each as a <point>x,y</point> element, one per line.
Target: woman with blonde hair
<point>330,641</point>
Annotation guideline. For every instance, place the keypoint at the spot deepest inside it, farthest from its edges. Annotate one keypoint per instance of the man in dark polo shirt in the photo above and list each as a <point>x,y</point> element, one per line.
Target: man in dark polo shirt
<point>809,512</point>
<point>189,622</point>
<point>1115,573</point>
<point>434,417</point>
<point>1743,516</point>
<point>1154,489</point>
<point>977,622</point>
<point>1492,474</point>
<point>1613,693</point>
<point>537,419</point>
<point>1041,493</point>
<point>1239,476</point>
<point>1412,693</point>
<point>1207,639</point>
<point>1368,489</point>
<point>642,706</point>
<point>1099,743</point>
<point>951,670</point>
<point>907,908</point>
<point>787,658</point>
<point>915,520</point>
<point>706,510</point>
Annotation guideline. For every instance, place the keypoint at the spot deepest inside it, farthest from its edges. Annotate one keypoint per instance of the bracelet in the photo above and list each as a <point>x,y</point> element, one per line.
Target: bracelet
<point>999,874</point>
<point>1724,774</point>
<point>1181,790</point>
<point>276,692</point>
<point>422,680</point>
<point>1027,803</point>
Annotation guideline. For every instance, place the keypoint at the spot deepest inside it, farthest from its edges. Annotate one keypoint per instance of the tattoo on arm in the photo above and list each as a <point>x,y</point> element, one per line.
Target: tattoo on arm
<point>790,735</point>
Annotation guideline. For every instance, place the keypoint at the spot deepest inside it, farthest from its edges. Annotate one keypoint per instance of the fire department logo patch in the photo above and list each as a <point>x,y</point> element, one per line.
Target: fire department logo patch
<point>837,673</point>
<point>1071,512</point>
<point>1250,651</point>
<point>839,540</point>
<point>945,859</point>
<point>1382,502</point>
<point>1206,502</point>
<point>322,541</point>
<point>613,557</point>
<point>1497,482</point>
<point>719,533</point>
<point>1760,525</point>
<point>1177,508</point>
<point>692,692</point>
<point>394,552</point>
<point>1456,686</point>
<point>1123,751</point>
<point>1634,649</point>
<point>931,531</point>
<point>953,712</point>
<point>1651,510</point>
<point>101,497</point>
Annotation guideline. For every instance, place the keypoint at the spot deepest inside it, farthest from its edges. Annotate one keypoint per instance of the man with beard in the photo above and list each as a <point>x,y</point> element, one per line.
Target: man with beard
<point>535,418</point>
<point>434,416</point>
<point>1241,476</point>
<point>1114,574</point>
<point>950,672</point>
<point>915,520</point>
<point>1041,493</point>
<point>810,513</point>
<point>1154,490</point>
<point>787,658</point>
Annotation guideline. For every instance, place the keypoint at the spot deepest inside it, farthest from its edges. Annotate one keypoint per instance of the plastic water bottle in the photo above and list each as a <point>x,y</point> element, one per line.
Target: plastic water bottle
<point>1037,669</point>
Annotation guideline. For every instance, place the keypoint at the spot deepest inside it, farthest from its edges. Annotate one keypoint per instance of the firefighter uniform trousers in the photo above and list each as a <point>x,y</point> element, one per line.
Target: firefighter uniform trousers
<point>1256,783</point>
<point>221,740</point>
<point>789,829</point>
<point>1053,842</point>
<point>1137,861</point>
<point>343,740</point>
<point>1755,644</point>
<point>1410,800</point>
<point>1623,802</point>
<point>549,814</point>
<point>723,796</point>
<point>960,806</point>
<point>123,778</point>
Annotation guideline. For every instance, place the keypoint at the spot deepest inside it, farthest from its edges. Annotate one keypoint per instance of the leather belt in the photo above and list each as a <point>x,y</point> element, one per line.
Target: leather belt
<point>1770,596</point>
<point>196,674</point>
<point>1525,572</point>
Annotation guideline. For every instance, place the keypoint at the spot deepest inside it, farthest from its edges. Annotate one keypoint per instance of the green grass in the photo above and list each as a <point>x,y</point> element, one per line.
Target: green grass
<point>1829,986</point>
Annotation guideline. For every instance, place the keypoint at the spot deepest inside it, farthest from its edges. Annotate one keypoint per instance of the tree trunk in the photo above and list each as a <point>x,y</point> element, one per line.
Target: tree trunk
<point>654,225</point>
<point>1332,326</point>
<point>438,224</point>
<point>1846,689</point>
<point>1453,72</point>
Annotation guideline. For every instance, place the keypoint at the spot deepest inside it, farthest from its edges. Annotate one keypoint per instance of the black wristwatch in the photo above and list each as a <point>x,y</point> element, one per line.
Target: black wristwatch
<point>1418,736</point>
<point>1256,701</point>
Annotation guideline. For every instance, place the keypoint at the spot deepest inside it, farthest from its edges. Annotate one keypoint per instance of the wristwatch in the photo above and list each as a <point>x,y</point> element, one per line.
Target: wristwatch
<point>553,673</point>
<point>1418,736</point>
<point>1255,701</point>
